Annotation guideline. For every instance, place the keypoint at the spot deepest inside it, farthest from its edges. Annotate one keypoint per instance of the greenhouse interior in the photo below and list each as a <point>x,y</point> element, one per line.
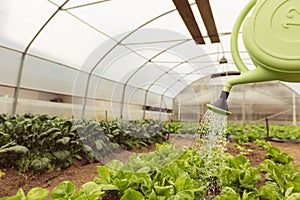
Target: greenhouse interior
<point>142,87</point>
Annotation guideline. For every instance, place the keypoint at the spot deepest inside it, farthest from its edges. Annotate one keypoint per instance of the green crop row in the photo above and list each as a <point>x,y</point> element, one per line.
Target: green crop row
<point>171,174</point>
<point>242,133</point>
<point>181,127</point>
<point>42,142</point>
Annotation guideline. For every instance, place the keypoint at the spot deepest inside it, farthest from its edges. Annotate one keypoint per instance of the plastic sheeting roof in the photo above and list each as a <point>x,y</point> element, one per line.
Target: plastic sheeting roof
<point>140,43</point>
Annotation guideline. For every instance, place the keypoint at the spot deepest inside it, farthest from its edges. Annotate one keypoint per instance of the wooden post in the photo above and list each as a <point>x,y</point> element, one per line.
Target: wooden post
<point>267,128</point>
<point>169,129</point>
<point>200,119</point>
<point>199,126</point>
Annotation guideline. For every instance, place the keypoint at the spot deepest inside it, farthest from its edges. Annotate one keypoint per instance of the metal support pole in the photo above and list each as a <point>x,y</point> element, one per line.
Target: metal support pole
<point>179,111</point>
<point>17,90</point>
<point>160,109</point>
<point>244,106</point>
<point>145,103</point>
<point>294,110</point>
<point>85,96</point>
<point>169,129</point>
<point>122,101</point>
<point>18,84</point>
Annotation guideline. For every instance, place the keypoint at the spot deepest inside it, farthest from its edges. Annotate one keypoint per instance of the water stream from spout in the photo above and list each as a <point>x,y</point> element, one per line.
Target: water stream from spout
<point>211,145</point>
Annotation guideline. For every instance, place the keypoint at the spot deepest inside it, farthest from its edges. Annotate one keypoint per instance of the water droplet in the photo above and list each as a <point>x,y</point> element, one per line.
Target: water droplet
<point>211,146</point>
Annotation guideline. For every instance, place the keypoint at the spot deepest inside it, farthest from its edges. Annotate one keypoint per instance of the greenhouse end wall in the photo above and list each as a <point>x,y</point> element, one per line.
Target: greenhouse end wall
<point>62,105</point>
<point>249,103</point>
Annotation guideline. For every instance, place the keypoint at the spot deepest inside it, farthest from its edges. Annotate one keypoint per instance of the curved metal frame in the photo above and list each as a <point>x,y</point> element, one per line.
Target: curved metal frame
<point>175,66</point>
<point>138,69</point>
<point>18,84</point>
<point>182,77</point>
<point>16,95</point>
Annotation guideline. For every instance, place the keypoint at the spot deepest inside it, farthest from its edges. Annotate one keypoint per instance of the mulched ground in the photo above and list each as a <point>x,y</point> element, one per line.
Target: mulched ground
<point>82,172</point>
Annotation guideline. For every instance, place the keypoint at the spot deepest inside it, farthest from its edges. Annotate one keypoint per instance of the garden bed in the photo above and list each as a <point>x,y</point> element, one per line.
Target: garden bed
<point>81,172</point>
<point>66,158</point>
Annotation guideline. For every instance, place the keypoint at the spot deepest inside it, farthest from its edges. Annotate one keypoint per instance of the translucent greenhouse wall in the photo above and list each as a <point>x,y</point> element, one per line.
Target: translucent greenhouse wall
<point>63,95</point>
<point>37,102</point>
<point>249,103</point>
<point>254,103</point>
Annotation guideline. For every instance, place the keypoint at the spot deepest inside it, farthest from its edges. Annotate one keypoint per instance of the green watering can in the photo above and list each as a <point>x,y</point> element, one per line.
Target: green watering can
<point>272,39</point>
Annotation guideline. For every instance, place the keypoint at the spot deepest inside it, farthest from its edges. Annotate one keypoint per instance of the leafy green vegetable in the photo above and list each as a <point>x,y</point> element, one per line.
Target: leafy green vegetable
<point>37,194</point>
<point>239,175</point>
<point>132,194</point>
<point>270,190</point>
<point>64,190</point>
<point>34,194</point>
<point>166,191</point>
<point>17,150</point>
<point>228,194</point>
<point>294,196</point>
<point>40,164</point>
<point>89,191</point>
<point>19,196</point>
<point>25,139</point>
<point>278,156</point>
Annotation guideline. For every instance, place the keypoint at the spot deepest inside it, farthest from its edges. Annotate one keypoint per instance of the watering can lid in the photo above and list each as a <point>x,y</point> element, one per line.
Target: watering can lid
<point>276,28</point>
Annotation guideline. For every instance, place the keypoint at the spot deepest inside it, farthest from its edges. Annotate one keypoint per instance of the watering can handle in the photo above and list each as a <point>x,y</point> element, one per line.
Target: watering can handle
<point>234,37</point>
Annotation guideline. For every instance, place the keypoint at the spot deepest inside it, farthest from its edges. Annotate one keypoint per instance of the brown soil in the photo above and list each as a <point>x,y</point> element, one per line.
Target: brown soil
<point>255,154</point>
<point>79,173</point>
<point>82,172</point>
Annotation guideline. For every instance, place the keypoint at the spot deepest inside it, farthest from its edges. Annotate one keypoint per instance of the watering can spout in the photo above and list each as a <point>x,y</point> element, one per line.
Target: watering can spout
<point>257,75</point>
<point>220,106</point>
